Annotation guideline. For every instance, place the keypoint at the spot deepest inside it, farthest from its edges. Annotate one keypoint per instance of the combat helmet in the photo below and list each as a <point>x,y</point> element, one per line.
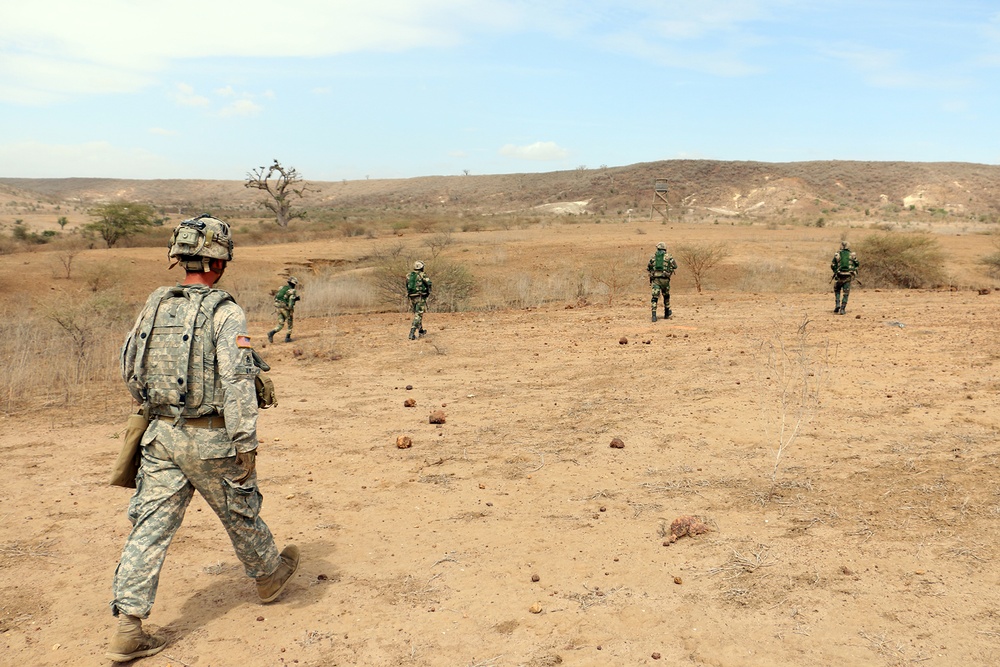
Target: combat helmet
<point>418,265</point>
<point>293,281</point>
<point>661,246</point>
<point>844,245</point>
<point>199,240</point>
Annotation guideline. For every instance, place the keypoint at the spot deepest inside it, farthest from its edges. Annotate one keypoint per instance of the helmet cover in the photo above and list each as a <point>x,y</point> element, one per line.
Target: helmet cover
<point>204,236</point>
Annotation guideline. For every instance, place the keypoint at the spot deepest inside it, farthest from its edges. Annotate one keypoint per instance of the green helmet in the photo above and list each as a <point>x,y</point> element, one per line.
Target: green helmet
<point>199,240</point>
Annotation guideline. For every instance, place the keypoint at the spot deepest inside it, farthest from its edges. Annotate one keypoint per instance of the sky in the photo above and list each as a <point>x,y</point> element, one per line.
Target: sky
<point>352,89</point>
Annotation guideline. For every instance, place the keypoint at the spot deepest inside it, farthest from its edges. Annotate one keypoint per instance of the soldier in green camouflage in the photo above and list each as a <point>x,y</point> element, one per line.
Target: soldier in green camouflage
<point>660,267</point>
<point>188,361</point>
<point>418,288</point>
<point>845,267</point>
<point>284,302</point>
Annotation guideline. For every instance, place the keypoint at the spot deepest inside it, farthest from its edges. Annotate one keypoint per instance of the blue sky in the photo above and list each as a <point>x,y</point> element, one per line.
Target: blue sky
<point>345,89</point>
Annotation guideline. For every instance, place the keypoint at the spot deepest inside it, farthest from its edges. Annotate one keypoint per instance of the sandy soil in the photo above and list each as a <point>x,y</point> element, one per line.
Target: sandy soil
<point>865,536</point>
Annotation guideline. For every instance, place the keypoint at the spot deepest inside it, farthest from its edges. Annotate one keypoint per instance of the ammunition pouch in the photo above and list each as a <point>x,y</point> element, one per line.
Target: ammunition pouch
<point>126,467</point>
<point>266,397</point>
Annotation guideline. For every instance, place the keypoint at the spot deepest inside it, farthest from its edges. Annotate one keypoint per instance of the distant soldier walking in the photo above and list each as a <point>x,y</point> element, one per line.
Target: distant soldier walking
<point>845,269</point>
<point>284,302</point>
<point>418,288</point>
<point>188,361</point>
<point>660,267</point>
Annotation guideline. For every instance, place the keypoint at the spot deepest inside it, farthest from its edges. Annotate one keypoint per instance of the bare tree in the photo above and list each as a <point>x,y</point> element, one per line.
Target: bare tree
<point>439,242</point>
<point>700,258</point>
<point>280,185</point>
<point>617,275</point>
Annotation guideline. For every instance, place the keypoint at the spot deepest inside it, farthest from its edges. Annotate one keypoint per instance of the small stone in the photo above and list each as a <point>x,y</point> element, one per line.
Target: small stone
<point>655,656</point>
<point>678,581</point>
<point>482,486</point>
<point>409,387</point>
<point>623,341</point>
<point>535,578</point>
<point>617,443</point>
<point>535,608</point>
<point>410,403</point>
<point>437,417</point>
<point>404,441</point>
<point>260,618</point>
<point>321,577</point>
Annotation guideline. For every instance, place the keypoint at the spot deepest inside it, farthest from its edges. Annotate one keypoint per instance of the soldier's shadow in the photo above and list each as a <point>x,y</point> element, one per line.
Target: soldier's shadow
<point>232,589</point>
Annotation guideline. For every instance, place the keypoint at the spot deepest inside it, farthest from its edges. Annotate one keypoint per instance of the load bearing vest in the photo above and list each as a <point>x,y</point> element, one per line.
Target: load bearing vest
<point>175,355</point>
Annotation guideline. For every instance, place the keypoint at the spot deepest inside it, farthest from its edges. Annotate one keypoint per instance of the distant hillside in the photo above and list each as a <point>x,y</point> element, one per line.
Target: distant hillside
<point>695,189</point>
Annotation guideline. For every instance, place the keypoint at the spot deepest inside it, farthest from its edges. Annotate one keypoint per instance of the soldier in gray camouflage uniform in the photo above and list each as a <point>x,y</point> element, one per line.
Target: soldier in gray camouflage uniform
<point>189,362</point>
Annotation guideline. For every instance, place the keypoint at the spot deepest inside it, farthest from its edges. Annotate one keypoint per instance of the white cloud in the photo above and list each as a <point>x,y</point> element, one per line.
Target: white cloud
<point>540,150</point>
<point>124,45</point>
<point>242,107</point>
<point>185,96</point>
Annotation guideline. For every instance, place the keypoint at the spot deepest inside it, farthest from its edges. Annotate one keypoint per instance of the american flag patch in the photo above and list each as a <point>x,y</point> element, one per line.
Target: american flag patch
<point>242,340</point>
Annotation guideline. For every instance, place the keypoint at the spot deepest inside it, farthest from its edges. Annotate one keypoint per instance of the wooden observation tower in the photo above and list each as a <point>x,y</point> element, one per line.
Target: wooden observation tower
<point>660,203</point>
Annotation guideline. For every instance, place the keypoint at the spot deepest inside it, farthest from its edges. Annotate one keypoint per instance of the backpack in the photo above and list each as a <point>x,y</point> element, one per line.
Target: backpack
<point>844,263</point>
<point>279,298</point>
<point>661,267</point>
<point>175,353</point>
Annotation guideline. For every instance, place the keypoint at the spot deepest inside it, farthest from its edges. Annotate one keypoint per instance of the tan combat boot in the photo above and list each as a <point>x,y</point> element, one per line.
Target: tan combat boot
<point>270,586</point>
<point>130,642</point>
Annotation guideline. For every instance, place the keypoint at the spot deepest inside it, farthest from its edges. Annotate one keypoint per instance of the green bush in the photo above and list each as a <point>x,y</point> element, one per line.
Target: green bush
<point>900,260</point>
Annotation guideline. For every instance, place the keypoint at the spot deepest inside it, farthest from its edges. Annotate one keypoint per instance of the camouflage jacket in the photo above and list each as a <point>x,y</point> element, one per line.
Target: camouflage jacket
<point>669,266</point>
<point>234,368</point>
<point>417,284</point>
<point>286,297</point>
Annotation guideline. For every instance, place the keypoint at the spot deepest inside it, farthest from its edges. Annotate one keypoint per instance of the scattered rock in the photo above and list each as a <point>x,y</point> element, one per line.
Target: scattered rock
<point>321,577</point>
<point>655,656</point>
<point>985,290</point>
<point>260,618</point>
<point>617,443</point>
<point>297,353</point>
<point>409,387</point>
<point>678,581</point>
<point>437,417</point>
<point>410,403</point>
<point>535,578</point>
<point>623,341</point>
<point>535,608</point>
<point>686,526</point>
<point>404,442</point>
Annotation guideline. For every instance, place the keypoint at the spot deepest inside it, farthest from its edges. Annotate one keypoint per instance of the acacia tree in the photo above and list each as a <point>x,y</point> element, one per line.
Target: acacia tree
<point>120,219</point>
<point>279,183</point>
<point>700,258</point>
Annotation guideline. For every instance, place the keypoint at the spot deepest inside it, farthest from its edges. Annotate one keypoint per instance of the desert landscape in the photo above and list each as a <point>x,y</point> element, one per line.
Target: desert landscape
<point>840,472</point>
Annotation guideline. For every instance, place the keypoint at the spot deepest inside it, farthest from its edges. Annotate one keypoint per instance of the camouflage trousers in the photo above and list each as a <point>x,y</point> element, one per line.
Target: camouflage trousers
<point>177,461</point>
<point>841,286</point>
<point>418,304</point>
<point>661,286</point>
<point>285,315</point>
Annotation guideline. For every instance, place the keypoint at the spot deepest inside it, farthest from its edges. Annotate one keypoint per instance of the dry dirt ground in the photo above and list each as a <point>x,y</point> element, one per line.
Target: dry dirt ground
<point>868,536</point>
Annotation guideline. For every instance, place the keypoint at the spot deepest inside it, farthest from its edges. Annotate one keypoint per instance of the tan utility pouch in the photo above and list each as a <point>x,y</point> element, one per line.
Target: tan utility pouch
<point>265,391</point>
<point>127,466</point>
